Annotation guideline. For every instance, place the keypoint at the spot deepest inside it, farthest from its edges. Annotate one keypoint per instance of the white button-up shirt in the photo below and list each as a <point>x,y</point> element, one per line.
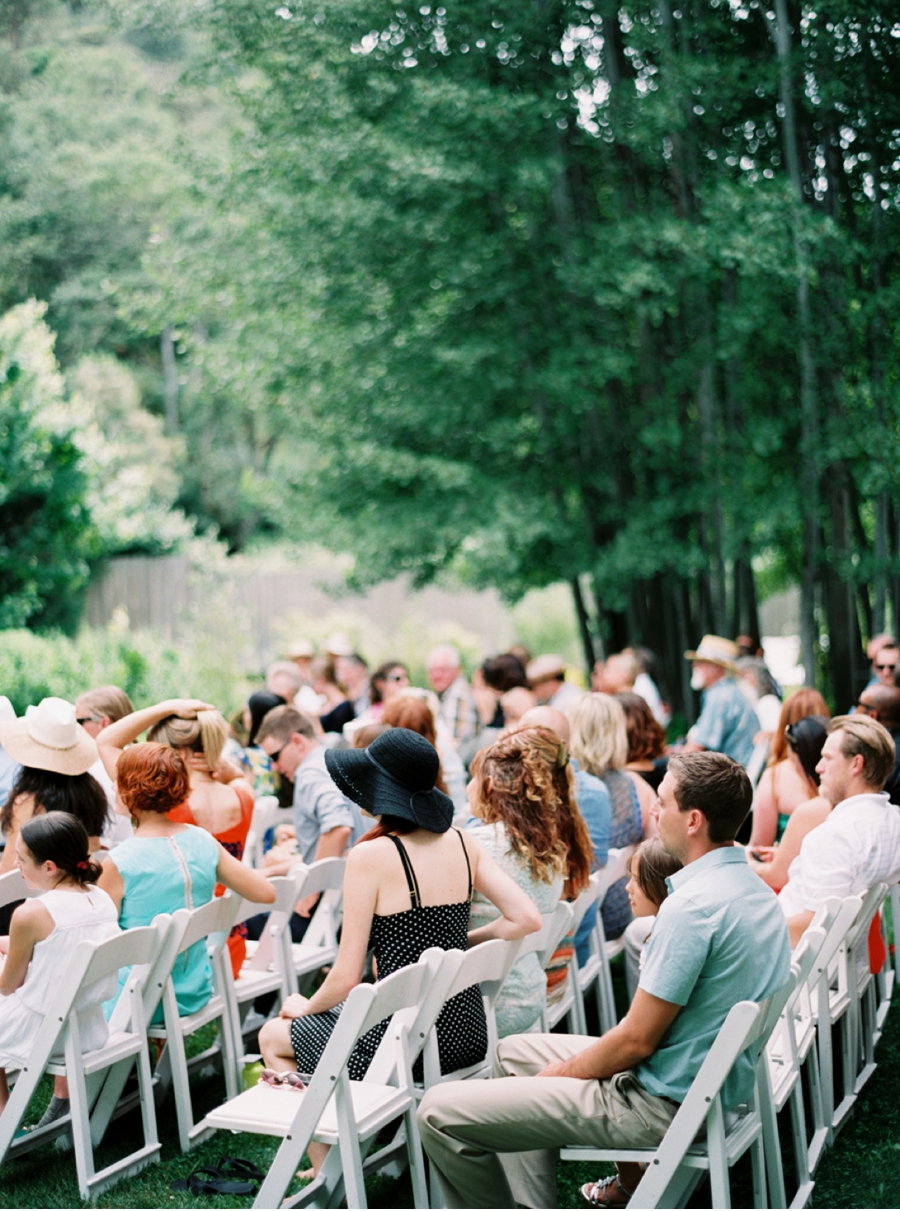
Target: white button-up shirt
<point>856,847</point>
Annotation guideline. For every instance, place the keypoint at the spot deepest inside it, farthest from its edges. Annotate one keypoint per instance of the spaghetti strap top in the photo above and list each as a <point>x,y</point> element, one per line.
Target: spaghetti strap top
<point>398,939</point>
<point>412,882</point>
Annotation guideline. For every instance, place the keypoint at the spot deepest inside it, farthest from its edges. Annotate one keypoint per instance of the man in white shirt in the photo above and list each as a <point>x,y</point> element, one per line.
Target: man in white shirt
<point>859,844</point>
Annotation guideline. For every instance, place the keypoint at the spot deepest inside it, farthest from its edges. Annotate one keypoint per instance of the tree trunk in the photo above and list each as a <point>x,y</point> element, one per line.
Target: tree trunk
<point>584,628</point>
<point>808,400</point>
<point>170,379</point>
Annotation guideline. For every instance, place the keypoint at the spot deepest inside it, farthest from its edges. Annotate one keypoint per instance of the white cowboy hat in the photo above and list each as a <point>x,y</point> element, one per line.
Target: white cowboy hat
<point>50,738</point>
<point>715,650</point>
<point>339,644</point>
<point>544,667</point>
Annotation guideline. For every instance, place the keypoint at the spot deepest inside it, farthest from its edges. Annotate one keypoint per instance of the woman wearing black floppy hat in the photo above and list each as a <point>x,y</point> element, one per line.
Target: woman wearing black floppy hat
<point>401,896</point>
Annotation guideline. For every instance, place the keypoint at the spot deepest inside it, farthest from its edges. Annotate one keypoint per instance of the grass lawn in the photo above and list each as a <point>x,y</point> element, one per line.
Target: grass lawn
<point>862,1170</point>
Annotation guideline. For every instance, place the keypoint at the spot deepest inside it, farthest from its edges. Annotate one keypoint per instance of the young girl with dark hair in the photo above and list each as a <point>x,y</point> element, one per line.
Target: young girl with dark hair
<point>648,868</point>
<point>53,856</point>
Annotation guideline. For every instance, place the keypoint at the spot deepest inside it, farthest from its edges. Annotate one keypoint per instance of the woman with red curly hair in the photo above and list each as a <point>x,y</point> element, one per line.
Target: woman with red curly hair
<point>167,865</point>
<point>522,790</point>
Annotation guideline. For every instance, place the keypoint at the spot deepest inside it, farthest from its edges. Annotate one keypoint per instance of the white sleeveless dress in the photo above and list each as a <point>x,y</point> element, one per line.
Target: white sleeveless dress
<point>76,915</point>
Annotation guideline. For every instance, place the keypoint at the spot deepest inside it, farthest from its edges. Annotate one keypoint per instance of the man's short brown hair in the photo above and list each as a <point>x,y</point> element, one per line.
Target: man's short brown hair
<point>282,722</point>
<point>715,785</point>
<point>869,739</point>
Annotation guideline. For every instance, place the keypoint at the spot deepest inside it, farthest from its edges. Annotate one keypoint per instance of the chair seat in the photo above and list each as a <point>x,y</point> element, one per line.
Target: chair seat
<point>311,958</point>
<point>251,984</point>
<point>211,1011</point>
<point>266,1111</point>
<point>741,1127</point>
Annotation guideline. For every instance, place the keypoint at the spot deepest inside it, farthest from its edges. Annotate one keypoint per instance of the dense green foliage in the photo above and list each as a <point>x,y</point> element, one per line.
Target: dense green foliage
<point>46,534</point>
<point>593,289</point>
<point>527,293</point>
<point>33,667</point>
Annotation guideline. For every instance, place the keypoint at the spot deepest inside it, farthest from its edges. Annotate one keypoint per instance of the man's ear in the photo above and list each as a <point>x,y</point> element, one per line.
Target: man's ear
<point>857,763</point>
<point>696,822</point>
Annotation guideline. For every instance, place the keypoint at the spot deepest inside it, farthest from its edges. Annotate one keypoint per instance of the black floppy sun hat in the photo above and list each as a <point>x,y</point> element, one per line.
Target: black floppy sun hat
<point>394,776</point>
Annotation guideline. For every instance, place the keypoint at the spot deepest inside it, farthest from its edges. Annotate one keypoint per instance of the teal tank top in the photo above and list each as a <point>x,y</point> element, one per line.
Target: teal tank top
<point>163,874</point>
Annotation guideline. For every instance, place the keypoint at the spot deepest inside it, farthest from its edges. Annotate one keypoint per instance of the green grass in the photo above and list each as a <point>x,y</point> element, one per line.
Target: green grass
<point>861,1170</point>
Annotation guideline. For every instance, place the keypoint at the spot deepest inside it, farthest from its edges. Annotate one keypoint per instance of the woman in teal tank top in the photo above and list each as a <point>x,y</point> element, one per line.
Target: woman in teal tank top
<point>166,865</point>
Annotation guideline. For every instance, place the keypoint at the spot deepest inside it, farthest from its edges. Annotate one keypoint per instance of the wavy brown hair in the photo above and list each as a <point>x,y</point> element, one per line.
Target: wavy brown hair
<point>525,783</point>
<point>646,739</point>
<point>414,714</point>
<point>800,704</point>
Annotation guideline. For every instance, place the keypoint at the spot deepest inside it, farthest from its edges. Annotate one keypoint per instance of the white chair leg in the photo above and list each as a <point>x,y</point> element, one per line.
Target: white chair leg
<point>416,1159</point>
<point>801,1151</point>
<point>820,1132</point>
<point>718,1161</point>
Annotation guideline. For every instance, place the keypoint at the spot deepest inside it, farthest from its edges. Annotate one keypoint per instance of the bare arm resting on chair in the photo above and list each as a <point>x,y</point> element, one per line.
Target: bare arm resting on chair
<point>637,1036</point>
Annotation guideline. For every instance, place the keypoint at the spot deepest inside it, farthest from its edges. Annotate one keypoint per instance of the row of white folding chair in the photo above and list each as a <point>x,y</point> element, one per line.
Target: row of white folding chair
<point>126,1044</point>
<point>675,1167</point>
<point>852,1003</point>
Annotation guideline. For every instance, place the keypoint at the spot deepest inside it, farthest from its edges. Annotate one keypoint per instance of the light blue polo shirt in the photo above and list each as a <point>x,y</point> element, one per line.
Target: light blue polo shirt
<point>720,937</point>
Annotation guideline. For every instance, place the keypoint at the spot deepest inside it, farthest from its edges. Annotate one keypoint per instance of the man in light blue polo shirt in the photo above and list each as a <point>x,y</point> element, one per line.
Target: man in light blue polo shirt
<point>720,938</point>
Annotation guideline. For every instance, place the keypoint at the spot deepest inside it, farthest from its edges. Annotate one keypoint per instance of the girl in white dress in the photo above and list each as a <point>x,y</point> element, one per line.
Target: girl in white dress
<point>52,854</point>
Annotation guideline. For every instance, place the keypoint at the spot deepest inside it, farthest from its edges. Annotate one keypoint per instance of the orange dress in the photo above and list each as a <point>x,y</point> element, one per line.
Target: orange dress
<point>233,840</point>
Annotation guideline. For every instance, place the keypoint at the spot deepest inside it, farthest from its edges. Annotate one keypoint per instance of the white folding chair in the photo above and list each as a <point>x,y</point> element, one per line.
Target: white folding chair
<point>571,1004</point>
<point>887,977</point>
<point>267,813</point>
<point>211,923</point>
<point>782,1057</point>
<point>89,962</point>
<point>830,1003</point>
<point>13,888</point>
<point>334,1110</point>
<point>320,942</point>
<point>266,968</point>
<point>859,1025</point>
<point>834,917</point>
<point>596,970</point>
<point>487,965</point>
<point>675,1167</point>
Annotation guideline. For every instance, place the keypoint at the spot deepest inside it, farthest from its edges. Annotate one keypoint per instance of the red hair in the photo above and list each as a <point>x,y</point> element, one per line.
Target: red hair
<point>152,778</point>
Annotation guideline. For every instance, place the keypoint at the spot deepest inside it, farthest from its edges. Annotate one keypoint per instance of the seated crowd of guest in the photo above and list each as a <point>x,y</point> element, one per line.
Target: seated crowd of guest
<point>466,811</point>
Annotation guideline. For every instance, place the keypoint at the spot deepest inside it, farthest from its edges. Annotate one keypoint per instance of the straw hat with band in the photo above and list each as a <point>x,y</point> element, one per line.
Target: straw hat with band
<point>716,650</point>
<point>394,776</point>
<point>49,738</point>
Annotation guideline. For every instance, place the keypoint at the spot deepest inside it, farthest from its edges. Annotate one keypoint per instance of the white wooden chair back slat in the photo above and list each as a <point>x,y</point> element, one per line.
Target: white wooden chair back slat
<point>60,1031</point>
<point>214,917</point>
<point>267,813</point>
<point>12,888</point>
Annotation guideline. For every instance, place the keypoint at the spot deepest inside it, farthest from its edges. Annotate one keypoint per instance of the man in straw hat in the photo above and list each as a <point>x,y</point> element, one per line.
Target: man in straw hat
<point>727,722</point>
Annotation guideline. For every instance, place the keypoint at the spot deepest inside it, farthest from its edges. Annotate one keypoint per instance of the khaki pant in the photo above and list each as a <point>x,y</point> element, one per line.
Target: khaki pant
<point>464,1124</point>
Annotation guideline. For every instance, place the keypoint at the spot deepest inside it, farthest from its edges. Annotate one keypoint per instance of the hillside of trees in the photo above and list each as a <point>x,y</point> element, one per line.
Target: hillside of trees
<point>581,292</point>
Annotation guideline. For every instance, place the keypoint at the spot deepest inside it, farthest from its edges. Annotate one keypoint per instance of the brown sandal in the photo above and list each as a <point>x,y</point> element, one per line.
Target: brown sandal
<point>597,1193</point>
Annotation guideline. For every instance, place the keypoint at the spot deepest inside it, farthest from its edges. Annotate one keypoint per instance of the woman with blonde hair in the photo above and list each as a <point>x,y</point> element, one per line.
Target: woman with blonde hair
<point>782,786</point>
<point>599,743</point>
<point>219,799</point>
<point>523,792</point>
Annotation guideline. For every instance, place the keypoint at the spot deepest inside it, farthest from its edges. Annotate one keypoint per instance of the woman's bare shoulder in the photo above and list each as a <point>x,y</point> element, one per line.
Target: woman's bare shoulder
<point>812,811</point>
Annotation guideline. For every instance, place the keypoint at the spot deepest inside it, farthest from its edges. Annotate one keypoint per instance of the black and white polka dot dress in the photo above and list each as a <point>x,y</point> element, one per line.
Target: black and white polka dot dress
<point>399,940</point>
